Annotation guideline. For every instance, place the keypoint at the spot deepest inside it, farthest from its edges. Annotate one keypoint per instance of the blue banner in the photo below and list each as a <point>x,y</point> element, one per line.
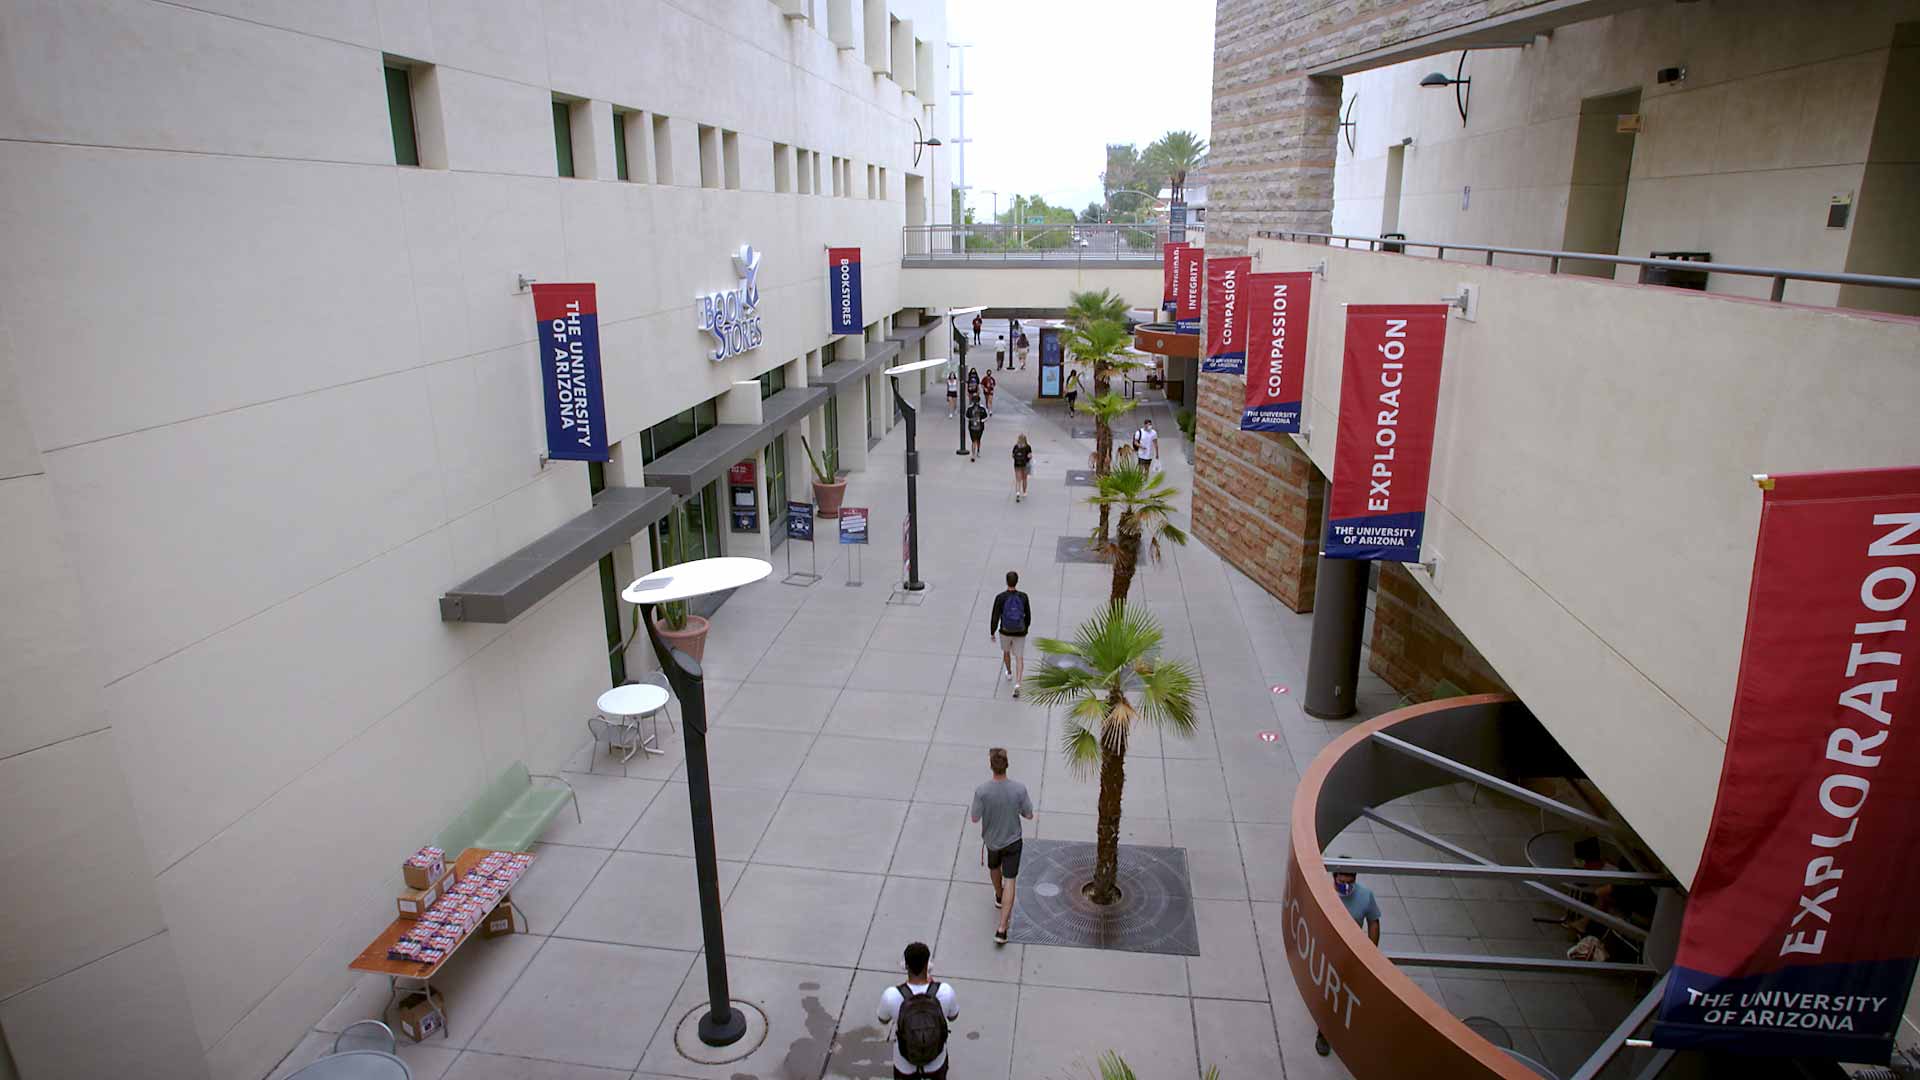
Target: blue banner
<point>568,333</point>
<point>800,521</point>
<point>843,291</point>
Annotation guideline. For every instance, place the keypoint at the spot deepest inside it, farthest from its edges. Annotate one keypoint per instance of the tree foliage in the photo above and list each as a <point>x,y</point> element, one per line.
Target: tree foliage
<point>1174,155</point>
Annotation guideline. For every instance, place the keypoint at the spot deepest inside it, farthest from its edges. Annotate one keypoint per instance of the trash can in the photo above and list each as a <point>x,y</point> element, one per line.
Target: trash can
<point>1676,278</point>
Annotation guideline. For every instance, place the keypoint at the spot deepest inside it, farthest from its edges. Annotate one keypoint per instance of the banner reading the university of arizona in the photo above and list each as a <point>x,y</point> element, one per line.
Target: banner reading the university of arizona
<point>843,291</point>
<point>1389,393</point>
<point>1800,938</point>
<point>1274,308</point>
<point>1189,287</point>
<point>568,332</point>
<point>1226,315</point>
<point>1169,273</point>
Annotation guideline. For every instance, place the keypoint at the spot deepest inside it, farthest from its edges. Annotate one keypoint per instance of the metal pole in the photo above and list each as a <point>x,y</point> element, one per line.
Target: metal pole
<point>1339,618</point>
<point>908,414</point>
<point>963,398</point>
<point>723,1024</point>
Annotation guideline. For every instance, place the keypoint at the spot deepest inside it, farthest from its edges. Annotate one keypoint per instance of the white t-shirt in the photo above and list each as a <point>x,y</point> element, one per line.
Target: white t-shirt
<point>890,1003</point>
<point>1149,441</point>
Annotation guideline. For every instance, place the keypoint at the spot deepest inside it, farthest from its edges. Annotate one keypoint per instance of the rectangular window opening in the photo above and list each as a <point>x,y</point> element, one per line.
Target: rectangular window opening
<point>730,159</point>
<point>563,137</point>
<point>662,151</point>
<point>709,156</point>
<point>406,142</point>
<point>782,167</point>
<point>620,170</point>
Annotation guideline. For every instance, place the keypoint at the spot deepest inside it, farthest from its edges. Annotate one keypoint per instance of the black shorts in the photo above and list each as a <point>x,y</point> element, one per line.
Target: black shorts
<point>1006,860</point>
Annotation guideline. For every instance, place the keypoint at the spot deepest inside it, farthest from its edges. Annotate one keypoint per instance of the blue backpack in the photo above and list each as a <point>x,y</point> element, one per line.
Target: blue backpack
<point>1013,615</point>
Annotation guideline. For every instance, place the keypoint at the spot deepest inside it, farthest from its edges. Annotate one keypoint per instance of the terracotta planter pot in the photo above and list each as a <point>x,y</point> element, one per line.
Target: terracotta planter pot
<point>692,640</point>
<point>827,497</point>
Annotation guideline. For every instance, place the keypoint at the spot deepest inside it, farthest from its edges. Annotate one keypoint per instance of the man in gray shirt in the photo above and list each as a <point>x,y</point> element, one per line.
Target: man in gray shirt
<point>998,805</point>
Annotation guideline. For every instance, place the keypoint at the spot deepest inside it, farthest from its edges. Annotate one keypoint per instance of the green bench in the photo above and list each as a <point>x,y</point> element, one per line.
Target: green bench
<point>509,815</point>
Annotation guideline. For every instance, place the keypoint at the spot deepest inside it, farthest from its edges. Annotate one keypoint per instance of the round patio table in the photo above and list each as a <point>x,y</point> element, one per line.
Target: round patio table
<point>356,1065</point>
<point>630,703</point>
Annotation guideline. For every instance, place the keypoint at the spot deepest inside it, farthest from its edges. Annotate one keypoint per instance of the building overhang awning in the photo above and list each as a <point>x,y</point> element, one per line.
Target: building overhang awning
<point>509,587</point>
<point>703,460</point>
<point>879,355</point>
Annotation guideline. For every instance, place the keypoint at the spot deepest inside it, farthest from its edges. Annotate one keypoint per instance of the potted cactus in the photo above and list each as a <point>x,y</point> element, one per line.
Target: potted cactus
<point>680,628</point>
<point>828,490</point>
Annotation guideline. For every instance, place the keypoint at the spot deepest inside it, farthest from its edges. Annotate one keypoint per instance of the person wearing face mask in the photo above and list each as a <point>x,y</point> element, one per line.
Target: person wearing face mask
<point>1365,910</point>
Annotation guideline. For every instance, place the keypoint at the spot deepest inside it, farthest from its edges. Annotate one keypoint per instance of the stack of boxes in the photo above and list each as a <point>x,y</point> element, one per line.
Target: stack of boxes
<point>463,905</point>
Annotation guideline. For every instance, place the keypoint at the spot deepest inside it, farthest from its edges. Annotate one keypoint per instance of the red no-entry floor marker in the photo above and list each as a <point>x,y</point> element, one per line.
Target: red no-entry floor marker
<point>1269,736</point>
<point>1277,688</point>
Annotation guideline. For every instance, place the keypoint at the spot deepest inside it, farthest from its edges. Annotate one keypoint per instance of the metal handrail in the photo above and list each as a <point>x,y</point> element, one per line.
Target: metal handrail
<point>941,243</point>
<point>1780,275</point>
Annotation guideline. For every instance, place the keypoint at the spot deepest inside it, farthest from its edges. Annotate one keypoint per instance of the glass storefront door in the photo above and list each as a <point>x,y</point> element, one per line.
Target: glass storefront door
<point>832,450</point>
<point>776,470</point>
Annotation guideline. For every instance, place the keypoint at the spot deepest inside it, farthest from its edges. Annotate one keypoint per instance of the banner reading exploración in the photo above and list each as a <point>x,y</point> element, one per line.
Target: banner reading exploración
<point>1800,938</point>
<point>1389,393</point>
<point>568,331</point>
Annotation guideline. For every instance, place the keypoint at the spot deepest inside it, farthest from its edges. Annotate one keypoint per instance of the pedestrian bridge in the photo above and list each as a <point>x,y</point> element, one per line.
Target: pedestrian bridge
<point>1030,266</point>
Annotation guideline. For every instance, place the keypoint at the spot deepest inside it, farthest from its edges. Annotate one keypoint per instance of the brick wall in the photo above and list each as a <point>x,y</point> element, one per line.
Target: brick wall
<point>1256,497</point>
<point>1415,646</point>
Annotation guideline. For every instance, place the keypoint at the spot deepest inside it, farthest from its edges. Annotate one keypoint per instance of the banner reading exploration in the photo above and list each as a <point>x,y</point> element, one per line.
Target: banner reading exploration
<point>1226,315</point>
<point>1389,393</point>
<point>1799,938</point>
<point>843,291</point>
<point>1276,307</point>
<point>1169,273</point>
<point>1189,287</point>
<point>568,330</point>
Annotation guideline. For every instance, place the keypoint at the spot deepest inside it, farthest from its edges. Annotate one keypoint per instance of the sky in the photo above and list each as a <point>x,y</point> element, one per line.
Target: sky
<point>1055,81</point>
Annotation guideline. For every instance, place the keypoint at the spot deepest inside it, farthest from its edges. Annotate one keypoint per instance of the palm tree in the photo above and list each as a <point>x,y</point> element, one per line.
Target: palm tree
<point>1111,677</point>
<point>1176,154</point>
<point>1146,515</point>
<point>1086,308</point>
<point>1099,344</point>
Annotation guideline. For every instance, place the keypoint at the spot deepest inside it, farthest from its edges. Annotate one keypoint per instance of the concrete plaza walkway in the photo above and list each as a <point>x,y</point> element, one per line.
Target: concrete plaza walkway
<point>847,737</point>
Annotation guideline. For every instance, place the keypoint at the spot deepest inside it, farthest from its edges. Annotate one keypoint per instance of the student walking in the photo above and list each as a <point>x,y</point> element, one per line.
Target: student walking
<point>976,425</point>
<point>998,805</point>
<point>1146,446</point>
<point>1022,461</point>
<point>999,351</point>
<point>1020,344</point>
<point>976,329</point>
<point>987,383</point>
<point>921,1011</point>
<point>1073,393</point>
<point>1360,904</point>
<point>953,395</point>
<point>1011,616</point>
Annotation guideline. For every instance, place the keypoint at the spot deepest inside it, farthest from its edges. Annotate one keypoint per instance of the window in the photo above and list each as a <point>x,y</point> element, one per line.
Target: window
<point>782,167</point>
<point>815,159</point>
<point>678,430</point>
<point>695,523</point>
<point>883,183</point>
<point>406,145</point>
<point>662,151</point>
<point>803,165</point>
<point>873,182</point>
<point>730,159</point>
<point>777,488</point>
<point>563,137</point>
<point>709,156</point>
<point>828,353</point>
<point>620,146</point>
<point>830,453</point>
<point>772,382</point>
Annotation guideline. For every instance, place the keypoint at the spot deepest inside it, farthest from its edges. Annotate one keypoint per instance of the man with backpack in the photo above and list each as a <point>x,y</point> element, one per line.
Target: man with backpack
<point>920,1010</point>
<point>1012,613</point>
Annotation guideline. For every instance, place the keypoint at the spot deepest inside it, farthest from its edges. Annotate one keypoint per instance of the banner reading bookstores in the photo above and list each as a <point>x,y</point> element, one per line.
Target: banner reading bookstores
<point>1189,286</point>
<point>1799,938</point>
<point>1275,313</point>
<point>843,291</point>
<point>1226,315</point>
<point>1169,273</point>
<point>567,326</point>
<point>1389,393</point>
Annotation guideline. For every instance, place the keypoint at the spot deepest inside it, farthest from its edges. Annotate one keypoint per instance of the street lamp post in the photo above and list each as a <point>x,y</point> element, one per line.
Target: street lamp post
<point>723,1023</point>
<point>951,315</point>
<point>910,413</point>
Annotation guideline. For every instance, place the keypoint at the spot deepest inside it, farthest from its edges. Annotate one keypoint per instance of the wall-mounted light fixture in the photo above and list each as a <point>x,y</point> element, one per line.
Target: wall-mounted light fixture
<point>919,141</point>
<point>1347,125</point>
<point>1462,87</point>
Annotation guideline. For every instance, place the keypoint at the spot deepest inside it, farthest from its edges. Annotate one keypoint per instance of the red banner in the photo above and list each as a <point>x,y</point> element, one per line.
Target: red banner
<point>1226,352</point>
<point>1169,272</point>
<point>1274,308</point>
<point>1799,938</point>
<point>1389,394</point>
<point>1188,287</point>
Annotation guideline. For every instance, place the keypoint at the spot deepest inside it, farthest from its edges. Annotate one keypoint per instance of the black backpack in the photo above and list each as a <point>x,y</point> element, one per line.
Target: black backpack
<point>922,1025</point>
<point>1013,614</point>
